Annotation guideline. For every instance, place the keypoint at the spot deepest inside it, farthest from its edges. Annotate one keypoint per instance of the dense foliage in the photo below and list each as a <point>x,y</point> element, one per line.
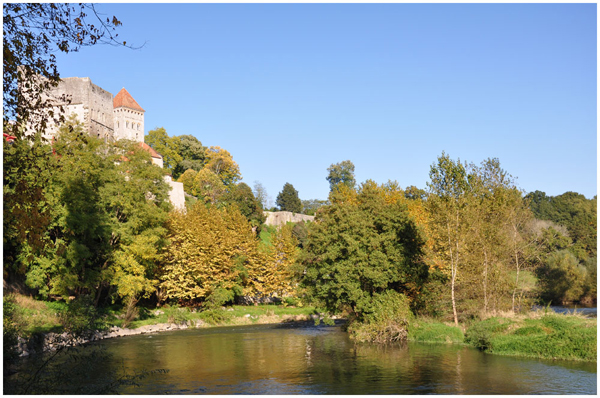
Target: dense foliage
<point>288,199</point>
<point>359,249</point>
<point>103,210</point>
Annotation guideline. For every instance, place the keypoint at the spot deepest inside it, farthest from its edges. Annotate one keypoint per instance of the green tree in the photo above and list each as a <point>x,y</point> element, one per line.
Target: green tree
<point>288,199</point>
<point>187,178</point>
<point>241,195</point>
<point>107,212</point>
<point>167,146</point>
<point>311,206</point>
<point>448,205</point>
<point>192,154</point>
<point>358,250</point>
<point>341,173</point>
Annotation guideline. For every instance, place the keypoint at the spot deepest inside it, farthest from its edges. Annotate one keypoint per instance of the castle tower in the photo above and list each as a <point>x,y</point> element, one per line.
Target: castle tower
<point>128,117</point>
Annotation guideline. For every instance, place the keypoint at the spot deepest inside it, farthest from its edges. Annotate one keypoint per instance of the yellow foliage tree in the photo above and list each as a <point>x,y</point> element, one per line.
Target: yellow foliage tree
<point>210,248</point>
<point>274,274</point>
<point>187,178</point>
<point>220,162</point>
<point>208,186</point>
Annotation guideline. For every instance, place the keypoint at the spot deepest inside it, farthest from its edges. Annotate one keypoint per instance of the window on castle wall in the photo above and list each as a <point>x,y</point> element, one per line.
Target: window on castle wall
<point>127,124</point>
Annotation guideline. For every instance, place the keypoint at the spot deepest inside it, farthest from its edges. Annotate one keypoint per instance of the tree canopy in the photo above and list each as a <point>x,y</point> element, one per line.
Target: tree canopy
<point>288,199</point>
<point>341,173</point>
<point>358,249</point>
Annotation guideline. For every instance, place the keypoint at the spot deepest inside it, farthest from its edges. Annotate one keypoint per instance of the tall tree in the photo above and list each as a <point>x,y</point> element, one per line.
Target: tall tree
<point>359,250</point>
<point>210,249</point>
<point>241,195</point>
<point>448,202</point>
<point>192,154</point>
<point>341,173</point>
<point>167,146</point>
<point>260,192</point>
<point>288,199</point>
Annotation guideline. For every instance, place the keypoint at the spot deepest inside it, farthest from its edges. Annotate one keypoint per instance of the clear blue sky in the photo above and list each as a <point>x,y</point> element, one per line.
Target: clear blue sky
<point>289,89</point>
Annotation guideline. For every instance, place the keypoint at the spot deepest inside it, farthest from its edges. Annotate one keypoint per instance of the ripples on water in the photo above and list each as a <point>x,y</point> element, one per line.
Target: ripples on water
<point>278,359</point>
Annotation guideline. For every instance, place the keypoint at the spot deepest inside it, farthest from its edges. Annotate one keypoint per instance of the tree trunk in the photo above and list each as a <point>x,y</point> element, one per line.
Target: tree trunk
<point>485,275</point>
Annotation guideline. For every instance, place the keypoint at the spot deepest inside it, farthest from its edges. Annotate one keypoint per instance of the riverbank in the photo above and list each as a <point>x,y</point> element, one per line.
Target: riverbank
<point>538,334</point>
<point>42,326</point>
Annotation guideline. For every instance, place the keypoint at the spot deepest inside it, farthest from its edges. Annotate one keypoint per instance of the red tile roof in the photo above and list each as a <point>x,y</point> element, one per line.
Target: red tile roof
<point>123,98</point>
<point>148,148</point>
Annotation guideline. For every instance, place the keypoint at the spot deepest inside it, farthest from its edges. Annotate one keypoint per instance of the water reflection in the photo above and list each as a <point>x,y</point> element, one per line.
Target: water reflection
<point>322,360</point>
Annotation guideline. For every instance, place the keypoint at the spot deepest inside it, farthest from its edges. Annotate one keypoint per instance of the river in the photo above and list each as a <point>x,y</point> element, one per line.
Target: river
<point>304,359</point>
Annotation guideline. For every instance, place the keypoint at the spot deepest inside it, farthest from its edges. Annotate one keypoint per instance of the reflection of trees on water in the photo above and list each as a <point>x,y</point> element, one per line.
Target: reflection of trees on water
<point>269,360</point>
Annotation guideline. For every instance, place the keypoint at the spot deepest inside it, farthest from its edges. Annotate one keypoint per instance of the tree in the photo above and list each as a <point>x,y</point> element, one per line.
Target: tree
<point>33,34</point>
<point>414,193</point>
<point>288,199</point>
<point>208,186</point>
<point>341,173</point>
<point>187,178</point>
<point>192,154</point>
<point>355,251</point>
<point>260,192</point>
<point>275,274</point>
<point>220,162</point>
<point>106,212</point>
<point>210,249</point>
<point>311,206</point>
<point>241,195</point>
<point>447,203</point>
<point>167,146</point>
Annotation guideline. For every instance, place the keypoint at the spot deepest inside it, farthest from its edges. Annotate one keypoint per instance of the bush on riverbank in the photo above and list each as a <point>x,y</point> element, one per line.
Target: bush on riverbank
<point>388,319</point>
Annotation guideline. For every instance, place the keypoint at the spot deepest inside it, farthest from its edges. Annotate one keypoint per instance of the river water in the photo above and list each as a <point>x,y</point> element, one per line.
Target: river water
<point>305,359</point>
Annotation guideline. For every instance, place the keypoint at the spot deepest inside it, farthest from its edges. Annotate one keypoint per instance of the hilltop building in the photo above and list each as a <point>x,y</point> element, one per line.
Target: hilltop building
<point>106,117</point>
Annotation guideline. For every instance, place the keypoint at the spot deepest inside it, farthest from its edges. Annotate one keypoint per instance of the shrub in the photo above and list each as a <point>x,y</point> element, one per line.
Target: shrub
<point>81,316</point>
<point>215,316</point>
<point>218,298</point>
<point>480,333</point>
<point>387,321</point>
<point>9,330</point>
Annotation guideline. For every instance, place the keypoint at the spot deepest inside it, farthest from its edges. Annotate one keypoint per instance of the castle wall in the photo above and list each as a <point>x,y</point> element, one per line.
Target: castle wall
<point>91,104</point>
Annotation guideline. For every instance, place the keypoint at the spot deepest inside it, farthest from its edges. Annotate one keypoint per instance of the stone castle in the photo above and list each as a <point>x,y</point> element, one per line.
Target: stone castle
<point>107,117</point>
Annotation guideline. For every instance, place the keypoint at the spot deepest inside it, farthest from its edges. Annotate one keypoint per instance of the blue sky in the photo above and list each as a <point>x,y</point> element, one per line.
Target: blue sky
<point>289,89</point>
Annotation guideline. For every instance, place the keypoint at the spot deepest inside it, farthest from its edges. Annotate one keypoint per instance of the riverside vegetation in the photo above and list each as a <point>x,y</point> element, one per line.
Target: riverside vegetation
<point>88,223</point>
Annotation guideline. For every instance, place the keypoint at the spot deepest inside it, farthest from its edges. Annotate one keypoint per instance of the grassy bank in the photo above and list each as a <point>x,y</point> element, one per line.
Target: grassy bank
<point>33,316</point>
<point>538,335</point>
<point>533,335</point>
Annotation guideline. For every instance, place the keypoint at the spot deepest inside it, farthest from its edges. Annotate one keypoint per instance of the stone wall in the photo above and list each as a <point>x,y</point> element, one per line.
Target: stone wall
<point>279,218</point>
<point>92,104</point>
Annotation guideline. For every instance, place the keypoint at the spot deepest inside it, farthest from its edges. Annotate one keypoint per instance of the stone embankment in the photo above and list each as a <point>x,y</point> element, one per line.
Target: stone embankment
<point>54,341</point>
<point>279,218</point>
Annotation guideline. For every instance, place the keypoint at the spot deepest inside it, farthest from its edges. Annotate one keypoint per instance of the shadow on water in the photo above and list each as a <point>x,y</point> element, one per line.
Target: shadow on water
<point>301,358</point>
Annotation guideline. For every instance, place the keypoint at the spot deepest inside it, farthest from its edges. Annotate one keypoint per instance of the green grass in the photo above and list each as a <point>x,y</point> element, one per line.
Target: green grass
<point>430,331</point>
<point>551,336</point>
<point>35,316</point>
